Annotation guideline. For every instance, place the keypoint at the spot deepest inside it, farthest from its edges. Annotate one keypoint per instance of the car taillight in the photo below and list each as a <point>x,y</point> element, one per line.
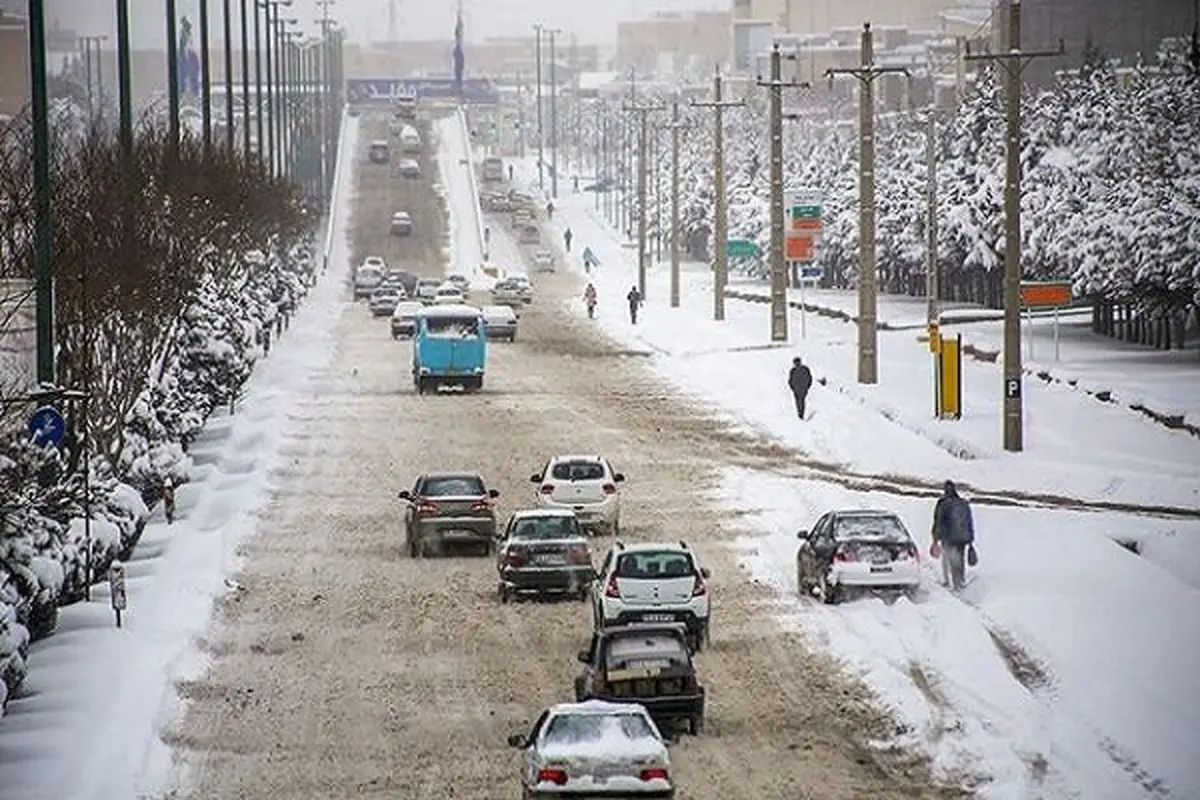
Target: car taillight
<point>578,555</point>
<point>654,774</point>
<point>611,589</point>
<point>481,505</point>
<point>910,553</point>
<point>610,488</point>
<point>426,507</point>
<point>555,776</point>
<point>844,556</point>
<point>547,488</point>
<point>698,587</point>
<point>515,558</point>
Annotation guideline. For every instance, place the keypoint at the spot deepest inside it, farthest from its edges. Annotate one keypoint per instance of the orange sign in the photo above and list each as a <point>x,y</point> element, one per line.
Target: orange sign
<point>806,223</point>
<point>798,248</point>
<point>1036,295</point>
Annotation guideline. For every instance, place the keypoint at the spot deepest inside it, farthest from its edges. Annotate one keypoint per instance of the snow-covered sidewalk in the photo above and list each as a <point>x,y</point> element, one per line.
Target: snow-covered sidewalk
<point>88,721</point>
<point>734,365</point>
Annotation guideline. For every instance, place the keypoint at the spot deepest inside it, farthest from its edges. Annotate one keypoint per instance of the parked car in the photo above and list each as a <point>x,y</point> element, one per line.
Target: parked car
<point>449,349</point>
<point>653,582</point>
<point>594,749</point>
<point>380,152</point>
<point>368,276</point>
<point>427,290</point>
<point>500,322</point>
<point>648,664</point>
<point>402,224</point>
<point>543,261</point>
<point>544,551</point>
<point>448,509</point>
<point>408,168</point>
<point>404,318</point>
<point>384,300</point>
<point>585,484</point>
<point>857,550</point>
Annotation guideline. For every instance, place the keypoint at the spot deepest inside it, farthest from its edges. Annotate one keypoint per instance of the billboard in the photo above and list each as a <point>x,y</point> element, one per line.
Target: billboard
<point>750,38</point>
<point>18,338</point>
<point>479,91</point>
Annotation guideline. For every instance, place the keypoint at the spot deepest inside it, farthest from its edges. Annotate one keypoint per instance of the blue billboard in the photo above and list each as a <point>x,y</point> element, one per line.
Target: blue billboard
<point>480,91</point>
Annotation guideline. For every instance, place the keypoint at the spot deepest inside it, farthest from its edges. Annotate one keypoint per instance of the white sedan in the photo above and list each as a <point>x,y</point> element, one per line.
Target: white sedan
<point>594,749</point>
<point>449,294</point>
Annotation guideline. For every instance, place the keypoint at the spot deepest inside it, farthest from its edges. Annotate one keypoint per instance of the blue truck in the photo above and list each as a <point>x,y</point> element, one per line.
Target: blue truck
<point>449,348</point>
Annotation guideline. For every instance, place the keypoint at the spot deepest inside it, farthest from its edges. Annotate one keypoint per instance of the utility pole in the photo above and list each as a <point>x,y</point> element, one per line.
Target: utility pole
<point>227,19</point>
<point>1013,60</point>
<point>720,207</point>
<point>245,82</point>
<point>172,81</point>
<point>932,284</point>
<point>43,207</point>
<point>205,79</point>
<point>868,333</point>
<point>537,30</point>
<point>553,116</point>
<point>675,126</point>
<point>272,79</point>
<point>643,113</point>
<point>779,276</point>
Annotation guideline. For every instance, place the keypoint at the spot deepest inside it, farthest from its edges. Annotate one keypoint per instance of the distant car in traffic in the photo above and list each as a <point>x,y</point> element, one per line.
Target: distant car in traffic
<point>404,318</point>
<point>369,276</point>
<point>426,290</point>
<point>585,484</point>
<point>848,551</point>
<point>448,294</point>
<point>384,299</point>
<point>380,152</point>
<point>508,293</point>
<point>402,224</point>
<point>543,261</point>
<point>500,322</point>
<point>408,168</point>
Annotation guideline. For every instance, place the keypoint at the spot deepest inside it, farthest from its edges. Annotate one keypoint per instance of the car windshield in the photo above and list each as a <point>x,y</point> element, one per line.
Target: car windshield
<point>875,528</point>
<point>453,486</point>
<point>387,291</point>
<point>452,327</point>
<point>546,528</point>
<point>645,650</point>
<point>654,564</point>
<point>580,729</point>
<point>409,309</point>
<point>502,314</point>
<point>578,471</point>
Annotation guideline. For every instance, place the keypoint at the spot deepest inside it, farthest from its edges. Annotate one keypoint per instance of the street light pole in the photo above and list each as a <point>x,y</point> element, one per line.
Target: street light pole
<point>537,30</point>
<point>205,77</point>
<point>258,86</point>
<point>675,126</point>
<point>85,44</point>
<point>228,22</point>
<point>172,81</point>
<point>245,82</point>
<point>43,224</point>
<point>643,113</point>
<point>553,116</point>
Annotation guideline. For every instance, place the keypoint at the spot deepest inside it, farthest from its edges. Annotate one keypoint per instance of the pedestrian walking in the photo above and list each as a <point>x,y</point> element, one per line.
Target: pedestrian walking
<point>953,536</point>
<point>800,381</point>
<point>575,183</point>
<point>635,302</point>
<point>567,236</point>
<point>550,210</point>
<point>510,173</point>
<point>169,500</point>
<point>589,299</point>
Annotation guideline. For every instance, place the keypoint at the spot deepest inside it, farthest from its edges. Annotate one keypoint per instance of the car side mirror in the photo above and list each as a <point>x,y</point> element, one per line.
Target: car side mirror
<point>493,493</point>
<point>704,573</point>
<point>619,477</point>
<point>404,495</point>
<point>516,740</point>
<point>584,657</point>
<point>802,534</point>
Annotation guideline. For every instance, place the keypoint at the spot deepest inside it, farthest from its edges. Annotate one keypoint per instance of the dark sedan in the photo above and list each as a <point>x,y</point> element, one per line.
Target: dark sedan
<point>544,551</point>
<point>446,510</point>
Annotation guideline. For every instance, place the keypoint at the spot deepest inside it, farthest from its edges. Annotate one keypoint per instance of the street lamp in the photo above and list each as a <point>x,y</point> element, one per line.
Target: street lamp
<point>172,81</point>
<point>272,72</point>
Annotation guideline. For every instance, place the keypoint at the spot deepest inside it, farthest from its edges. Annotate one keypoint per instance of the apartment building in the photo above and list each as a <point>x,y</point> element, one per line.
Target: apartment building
<point>671,42</point>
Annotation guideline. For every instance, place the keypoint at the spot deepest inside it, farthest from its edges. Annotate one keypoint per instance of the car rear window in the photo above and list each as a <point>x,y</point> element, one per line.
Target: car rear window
<point>546,528</point>
<point>644,651</point>
<point>884,528</point>
<point>453,486</point>
<point>565,729</point>
<point>650,565</point>
<point>577,471</point>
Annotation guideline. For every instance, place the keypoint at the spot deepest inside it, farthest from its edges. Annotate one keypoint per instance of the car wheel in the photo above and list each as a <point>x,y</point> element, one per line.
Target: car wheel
<point>830,593</point>
<point>503,593</point>
<point>579,690</point>
<point>695,725</point>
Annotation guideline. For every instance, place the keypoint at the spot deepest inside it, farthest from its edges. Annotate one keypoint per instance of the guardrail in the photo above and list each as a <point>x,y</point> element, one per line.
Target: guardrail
<point>473,182</point>
<point>345,150</point>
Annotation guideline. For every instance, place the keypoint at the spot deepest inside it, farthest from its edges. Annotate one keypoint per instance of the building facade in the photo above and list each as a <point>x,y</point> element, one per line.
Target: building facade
<point>672,42</point>
<point>14,65</point>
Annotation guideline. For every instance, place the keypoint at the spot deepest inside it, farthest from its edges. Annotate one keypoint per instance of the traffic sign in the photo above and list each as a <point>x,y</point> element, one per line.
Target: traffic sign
<point>1036,294</point>
<point>743,248</point>
<point>812,273</point>
<point>805,224</point>
<point>806,211</point>
<point>47,426</point>
<point>798,248</point>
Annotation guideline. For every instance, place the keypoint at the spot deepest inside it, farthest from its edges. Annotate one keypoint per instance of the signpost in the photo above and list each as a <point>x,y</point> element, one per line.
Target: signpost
<point>802,234</point>
<point>47,426</point>
<point>742,248</point>
<point>475,91</point>
<point>1045,294</point>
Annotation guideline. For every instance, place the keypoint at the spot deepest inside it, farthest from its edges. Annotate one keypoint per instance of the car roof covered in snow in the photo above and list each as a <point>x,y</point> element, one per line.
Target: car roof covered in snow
<point>535,513</point>
<point>499,311</point>
<point>453,310</point>
<point>600,707</point>
<point>590,458</point>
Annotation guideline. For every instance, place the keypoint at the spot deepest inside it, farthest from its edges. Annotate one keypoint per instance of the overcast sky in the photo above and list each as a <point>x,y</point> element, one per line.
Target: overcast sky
<point>367,20</point>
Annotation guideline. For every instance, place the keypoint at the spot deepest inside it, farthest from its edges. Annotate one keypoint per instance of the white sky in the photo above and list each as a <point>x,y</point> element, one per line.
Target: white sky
<point>367,20</point>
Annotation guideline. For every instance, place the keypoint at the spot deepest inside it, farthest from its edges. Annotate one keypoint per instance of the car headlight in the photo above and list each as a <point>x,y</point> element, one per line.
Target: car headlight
<point>424,370</point>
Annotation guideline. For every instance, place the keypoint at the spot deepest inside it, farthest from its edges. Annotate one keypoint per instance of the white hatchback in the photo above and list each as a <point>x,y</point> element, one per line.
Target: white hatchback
<point>588,485</point>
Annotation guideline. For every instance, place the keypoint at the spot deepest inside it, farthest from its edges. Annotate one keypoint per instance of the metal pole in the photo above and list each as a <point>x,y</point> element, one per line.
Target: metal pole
<point>268,33</point>
<point>100,77</point>
<point>779,282</point>
<point>258,86</point>
<point>602,132</point>
<point>868,367</point>
<point>720,211</point>
<point>538,62</point>
<point>228,23</point>
<point>85,43</point>
<point>172,81</point>
<point>932,290</point>
<point>246,149</point>
<point>675,124</point>
<point>553,120</point>
<point>1013,411</point>
<point>641,193</point>
<point>280,110</point>
<point>205,76</point>
<point>125,99</point>
<point>43,224</point>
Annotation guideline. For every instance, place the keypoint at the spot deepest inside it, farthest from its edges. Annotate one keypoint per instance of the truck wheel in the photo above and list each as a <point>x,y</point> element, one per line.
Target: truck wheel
<point>419,383</point>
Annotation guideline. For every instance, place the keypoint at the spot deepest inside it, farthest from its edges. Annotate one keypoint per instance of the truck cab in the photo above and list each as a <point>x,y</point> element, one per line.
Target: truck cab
<point>449,348</point>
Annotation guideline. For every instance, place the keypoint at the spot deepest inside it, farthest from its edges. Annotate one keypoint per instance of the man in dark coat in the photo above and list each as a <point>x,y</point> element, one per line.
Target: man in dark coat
<point>800,381</point>
<point>635,302</point>
<point>953,532</point>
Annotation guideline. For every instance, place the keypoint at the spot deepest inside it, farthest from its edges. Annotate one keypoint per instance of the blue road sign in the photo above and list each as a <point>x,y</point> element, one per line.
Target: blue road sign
<point>382,90</point>
<point>812,273</point>
<point>47,426</point>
